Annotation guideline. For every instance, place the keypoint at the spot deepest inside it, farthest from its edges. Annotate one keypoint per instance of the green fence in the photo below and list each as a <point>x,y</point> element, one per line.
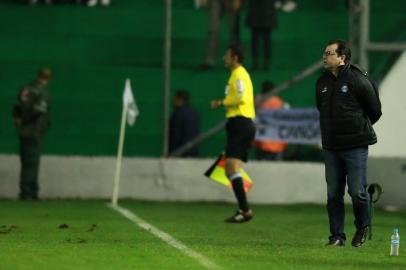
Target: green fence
<point>93,50</point>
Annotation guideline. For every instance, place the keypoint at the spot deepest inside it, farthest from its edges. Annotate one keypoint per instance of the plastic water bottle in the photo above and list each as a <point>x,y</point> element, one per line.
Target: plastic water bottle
<point>394,243</point>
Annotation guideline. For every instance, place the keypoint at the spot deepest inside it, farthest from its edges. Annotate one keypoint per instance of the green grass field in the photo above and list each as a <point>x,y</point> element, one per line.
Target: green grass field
<point>96,237</point>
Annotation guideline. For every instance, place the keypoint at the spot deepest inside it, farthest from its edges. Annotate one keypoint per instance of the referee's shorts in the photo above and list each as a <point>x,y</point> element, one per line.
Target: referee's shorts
<point>240,134</point>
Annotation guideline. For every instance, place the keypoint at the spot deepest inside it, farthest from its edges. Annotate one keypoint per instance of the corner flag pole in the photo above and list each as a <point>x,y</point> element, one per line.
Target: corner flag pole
<point>119,156</point>
<point>130,112</point>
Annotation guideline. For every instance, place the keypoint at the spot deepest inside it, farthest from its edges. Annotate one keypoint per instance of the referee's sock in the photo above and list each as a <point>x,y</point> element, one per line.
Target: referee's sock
<point>238,187</point>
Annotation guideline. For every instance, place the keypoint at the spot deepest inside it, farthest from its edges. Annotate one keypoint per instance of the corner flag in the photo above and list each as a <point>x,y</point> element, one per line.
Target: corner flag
<point>217,173</point>
<point>129,101</point>
<point>130,112</point>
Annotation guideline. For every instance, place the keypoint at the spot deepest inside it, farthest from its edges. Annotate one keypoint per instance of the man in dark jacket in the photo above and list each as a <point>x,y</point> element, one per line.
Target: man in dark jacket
<point>261,18</point>
<point>184,124</point>
<point>349,105</point>
<point>31,120</point>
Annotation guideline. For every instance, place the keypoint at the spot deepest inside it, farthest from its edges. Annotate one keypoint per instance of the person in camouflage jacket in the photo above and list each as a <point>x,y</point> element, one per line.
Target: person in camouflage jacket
<point>31,118</point>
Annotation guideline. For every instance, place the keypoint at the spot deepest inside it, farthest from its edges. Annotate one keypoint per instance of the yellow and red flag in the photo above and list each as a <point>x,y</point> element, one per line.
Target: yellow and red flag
<point>217,173</point>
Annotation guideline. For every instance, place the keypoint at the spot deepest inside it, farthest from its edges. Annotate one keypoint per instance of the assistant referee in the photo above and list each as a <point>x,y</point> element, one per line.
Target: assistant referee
<point>239,105</point>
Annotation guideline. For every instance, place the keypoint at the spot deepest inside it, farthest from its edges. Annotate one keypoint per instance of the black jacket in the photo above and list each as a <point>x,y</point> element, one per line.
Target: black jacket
<point>349,105</point>
<point>184,126</point>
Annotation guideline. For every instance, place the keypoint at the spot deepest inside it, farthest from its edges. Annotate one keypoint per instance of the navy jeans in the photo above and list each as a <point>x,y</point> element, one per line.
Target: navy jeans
<point>346,167</point>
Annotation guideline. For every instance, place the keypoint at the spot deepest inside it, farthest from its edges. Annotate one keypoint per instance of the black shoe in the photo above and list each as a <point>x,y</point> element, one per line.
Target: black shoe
<point>240,217</point>
<point>360,237</point>
<point>336,242</point>
<point>28,197</point>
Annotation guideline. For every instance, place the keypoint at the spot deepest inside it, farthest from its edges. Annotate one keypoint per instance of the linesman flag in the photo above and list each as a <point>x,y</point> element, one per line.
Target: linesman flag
<point>129,101</point>
<point>217,173</point>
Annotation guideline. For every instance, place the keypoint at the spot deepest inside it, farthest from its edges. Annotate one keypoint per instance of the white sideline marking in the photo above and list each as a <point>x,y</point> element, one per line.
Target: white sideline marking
<point>165,237</point>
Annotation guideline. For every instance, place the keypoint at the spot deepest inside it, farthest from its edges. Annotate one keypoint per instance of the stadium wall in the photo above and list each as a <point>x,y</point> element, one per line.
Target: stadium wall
<point>183,180</point>
<point>393,96</point>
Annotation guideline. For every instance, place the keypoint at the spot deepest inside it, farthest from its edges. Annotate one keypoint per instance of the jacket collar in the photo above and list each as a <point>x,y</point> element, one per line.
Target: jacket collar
<point>341,70</point>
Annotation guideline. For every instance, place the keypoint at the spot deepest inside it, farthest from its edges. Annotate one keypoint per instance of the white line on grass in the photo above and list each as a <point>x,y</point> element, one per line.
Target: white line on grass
<point>165,237</point>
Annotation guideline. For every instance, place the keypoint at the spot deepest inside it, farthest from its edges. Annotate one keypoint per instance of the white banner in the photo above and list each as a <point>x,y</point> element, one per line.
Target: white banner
<point>299,126</point>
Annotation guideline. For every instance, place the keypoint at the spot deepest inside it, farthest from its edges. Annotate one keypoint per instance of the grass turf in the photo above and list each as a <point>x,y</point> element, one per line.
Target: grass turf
<point>279,237</point>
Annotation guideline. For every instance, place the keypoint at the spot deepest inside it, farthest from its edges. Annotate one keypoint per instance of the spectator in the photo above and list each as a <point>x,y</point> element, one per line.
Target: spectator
<point>184,124</point>
<point>34,2</point>
<point>50,2</point>
<point>270,149</point>
<point>217,9</point>
<point>31,120</point>
<point>261,18</point>
<point>92,3</point>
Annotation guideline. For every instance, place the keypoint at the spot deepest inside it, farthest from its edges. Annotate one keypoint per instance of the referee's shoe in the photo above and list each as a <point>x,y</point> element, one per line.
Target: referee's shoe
<point>240,217</point>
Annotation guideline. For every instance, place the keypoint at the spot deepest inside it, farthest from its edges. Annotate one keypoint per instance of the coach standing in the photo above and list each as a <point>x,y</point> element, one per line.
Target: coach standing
<point>31,120</point>
<point>239,105</point>
<point>349,105</point>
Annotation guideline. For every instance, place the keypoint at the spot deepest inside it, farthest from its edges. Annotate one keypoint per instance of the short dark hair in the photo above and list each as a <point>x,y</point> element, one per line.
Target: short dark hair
<point>343,48</point>
<point>183,95</point>
<point>44,73</point>
<point>237,51</point>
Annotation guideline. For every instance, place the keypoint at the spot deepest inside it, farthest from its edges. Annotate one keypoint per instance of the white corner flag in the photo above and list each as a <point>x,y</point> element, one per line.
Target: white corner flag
<point>130,112</point>
<point>129,102</point>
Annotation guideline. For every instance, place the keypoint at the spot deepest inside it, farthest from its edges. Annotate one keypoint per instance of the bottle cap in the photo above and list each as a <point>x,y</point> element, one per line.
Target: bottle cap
<point>396,230</point>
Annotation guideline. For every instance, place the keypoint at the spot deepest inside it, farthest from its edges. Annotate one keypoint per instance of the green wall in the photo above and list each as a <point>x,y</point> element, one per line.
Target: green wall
<point>93,50</point>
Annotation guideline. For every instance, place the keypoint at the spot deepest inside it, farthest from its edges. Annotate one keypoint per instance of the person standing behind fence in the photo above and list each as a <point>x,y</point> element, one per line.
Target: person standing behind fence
<point>30,115</point>
<point>34,2</point>
<point>93,3</point>
<point>217,9</point>
<point>240,129</point>
<point>349,105</point>
<point>261,18</point>
<point>270,149</point>
<point>184,124</point>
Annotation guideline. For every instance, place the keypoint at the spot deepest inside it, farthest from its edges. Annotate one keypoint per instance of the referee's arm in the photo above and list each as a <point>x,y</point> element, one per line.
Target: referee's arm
<point>237,98</point>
